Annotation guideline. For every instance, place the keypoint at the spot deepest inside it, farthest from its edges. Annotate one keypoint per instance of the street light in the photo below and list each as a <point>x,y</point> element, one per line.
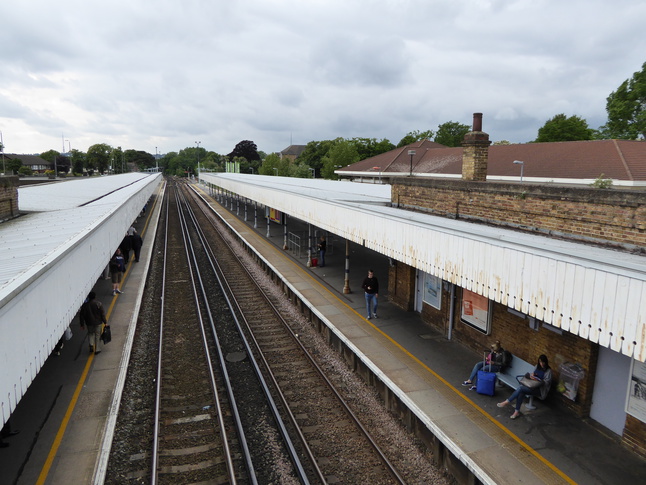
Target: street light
<point>4,169</point>
<point>522,166</point>
<point>156,160</point>
<point>313,170</point>
<point>276,171</point>
<point>411,153</point>
<point>198,159</point>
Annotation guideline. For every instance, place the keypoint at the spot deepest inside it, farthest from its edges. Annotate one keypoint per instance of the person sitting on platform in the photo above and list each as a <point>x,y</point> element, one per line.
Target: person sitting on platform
<point>542,375</point>
<point>495,358</point>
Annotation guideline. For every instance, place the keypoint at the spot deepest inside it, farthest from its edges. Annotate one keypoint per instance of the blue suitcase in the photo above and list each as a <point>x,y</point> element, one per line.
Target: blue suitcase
<point>486,380</point>
<point>486,383</point>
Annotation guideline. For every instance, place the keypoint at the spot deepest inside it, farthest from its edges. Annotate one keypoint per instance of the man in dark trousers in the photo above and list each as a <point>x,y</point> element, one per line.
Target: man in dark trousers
<point>137,242</point>
<point>322,247</point>
<point>93,315</point>
<point>371,287</point>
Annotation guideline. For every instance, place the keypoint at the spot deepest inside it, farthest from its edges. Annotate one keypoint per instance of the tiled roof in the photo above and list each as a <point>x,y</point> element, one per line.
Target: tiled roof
<point>615,159</point>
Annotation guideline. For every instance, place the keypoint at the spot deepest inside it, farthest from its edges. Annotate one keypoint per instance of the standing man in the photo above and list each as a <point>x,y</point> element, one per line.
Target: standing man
<point>117,268</point>
<point>371,287</point>
<point>322,246</point>
<point>137,242</point>
<point>93,316</point>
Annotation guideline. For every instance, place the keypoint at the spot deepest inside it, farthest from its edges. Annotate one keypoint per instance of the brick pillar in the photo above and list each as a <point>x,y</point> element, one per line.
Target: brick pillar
<point>475,152</point>
<point>8,198</point>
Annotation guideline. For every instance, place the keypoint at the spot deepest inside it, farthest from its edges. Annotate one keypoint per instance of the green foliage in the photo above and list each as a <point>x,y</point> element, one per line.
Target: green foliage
<point>562,128</point>
<point>369,147</point>
<point>13,165</point>
<point>77,159</point>
<point>601,182</point>
<point>139,160</point>
<point>25,171</point>
<point>342,154</point>
<point>451,133</point>
<point>314,153</point>
<point>414,136</point>
<point>271,162</point>
<point>626,108</point>
<point>49,155</point>
<point>99,157</point>
<point>246,149</point>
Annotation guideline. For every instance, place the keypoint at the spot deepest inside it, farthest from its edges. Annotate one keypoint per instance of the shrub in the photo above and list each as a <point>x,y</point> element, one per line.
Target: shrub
<point>601,182</point>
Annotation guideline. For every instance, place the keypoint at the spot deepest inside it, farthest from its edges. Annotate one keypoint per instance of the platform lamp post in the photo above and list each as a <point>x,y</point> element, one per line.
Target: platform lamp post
<point>522,166</point>
<point>156,161</point>
<point>198,159</point>
<point>4,168</point>
<point>412,154</point>
<point>276,171</point>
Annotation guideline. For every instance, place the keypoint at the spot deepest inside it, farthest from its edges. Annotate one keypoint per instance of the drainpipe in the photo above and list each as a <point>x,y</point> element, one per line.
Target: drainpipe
<point>451,311</point>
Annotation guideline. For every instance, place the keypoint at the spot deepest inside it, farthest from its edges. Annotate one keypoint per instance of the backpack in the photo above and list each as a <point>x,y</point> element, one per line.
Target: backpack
<point>506,358</point>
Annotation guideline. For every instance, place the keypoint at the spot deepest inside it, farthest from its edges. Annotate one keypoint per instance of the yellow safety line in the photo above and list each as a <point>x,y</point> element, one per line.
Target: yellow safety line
<point>444,381</point>
<point>70,408</point>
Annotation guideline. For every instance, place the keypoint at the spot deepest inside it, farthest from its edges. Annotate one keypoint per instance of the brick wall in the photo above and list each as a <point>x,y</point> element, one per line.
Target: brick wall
<point>401,286</point>
<point>634,437</point>
<point>8,198</point>
<point>613,217</point>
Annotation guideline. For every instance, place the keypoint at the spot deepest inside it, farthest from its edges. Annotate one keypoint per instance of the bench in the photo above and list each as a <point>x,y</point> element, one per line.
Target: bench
<point>518,367</point>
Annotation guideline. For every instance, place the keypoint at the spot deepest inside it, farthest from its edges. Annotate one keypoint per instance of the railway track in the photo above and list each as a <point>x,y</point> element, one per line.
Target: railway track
<point>207,433</point>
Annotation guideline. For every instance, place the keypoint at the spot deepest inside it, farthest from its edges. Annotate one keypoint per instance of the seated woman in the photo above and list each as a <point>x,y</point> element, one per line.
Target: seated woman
<point>494,358</point>
<point>542,374</point>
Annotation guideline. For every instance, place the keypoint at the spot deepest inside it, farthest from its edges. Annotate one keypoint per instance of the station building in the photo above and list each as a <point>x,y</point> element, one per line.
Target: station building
<point>547,265</point>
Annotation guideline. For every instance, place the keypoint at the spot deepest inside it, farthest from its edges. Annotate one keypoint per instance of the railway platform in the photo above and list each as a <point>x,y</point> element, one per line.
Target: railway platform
<point>65,414</point>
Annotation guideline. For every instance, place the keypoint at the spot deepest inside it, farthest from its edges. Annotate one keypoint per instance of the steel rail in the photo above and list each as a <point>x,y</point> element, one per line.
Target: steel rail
<point>321,372</point>
<point>195,275</point>
<point>220,275</point>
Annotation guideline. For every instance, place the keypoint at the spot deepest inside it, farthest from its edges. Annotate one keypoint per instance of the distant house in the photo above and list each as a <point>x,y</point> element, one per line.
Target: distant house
<point>623,161</point>
<point>292,152</point>
<point>34,162</point>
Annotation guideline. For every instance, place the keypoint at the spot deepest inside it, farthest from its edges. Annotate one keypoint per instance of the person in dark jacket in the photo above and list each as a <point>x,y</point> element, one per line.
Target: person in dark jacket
<point>371,287</point>
<point>322,247</point>
<point>117,268</point>
<point>126,247</point>
<point>137,242</point>
<point>92,315</point>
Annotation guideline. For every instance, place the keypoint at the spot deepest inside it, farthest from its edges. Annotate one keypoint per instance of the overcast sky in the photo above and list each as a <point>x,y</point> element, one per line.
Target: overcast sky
<point>142,74</point>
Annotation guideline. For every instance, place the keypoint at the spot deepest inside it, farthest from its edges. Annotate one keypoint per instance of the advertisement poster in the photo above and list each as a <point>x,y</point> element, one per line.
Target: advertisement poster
<point>433,291</point>
<point>637,391</point>
<point>275,216</point>
<point>475,311</point>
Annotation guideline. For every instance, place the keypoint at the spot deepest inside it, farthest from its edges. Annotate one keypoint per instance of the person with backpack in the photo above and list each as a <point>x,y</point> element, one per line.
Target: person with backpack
<point>494,362</point>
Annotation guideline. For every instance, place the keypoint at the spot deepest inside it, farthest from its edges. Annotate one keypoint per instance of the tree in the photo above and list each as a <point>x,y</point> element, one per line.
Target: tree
<point>413,136</point>
<point>451,133</point>
<point>342,154</point>
<point>271,162</point>
<point>370,147</point>
<point>139,159</point>
<point>562,128</point>
<point>77,158</point>
<point>98,157</point>
<point>49,156</point>
<point>246,149</point>
<point>314,153</point>
<point>626,108</point>
<point>62,164</point>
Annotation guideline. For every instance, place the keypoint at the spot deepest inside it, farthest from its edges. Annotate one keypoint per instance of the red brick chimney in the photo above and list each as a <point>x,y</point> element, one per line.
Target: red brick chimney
<point>475,152</point>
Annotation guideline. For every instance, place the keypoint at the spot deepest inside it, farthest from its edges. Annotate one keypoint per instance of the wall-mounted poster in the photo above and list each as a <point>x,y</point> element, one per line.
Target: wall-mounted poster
<point>636,402</point>
<point>433,291</point>
<point>476,311</point>
<point>275,216</point>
